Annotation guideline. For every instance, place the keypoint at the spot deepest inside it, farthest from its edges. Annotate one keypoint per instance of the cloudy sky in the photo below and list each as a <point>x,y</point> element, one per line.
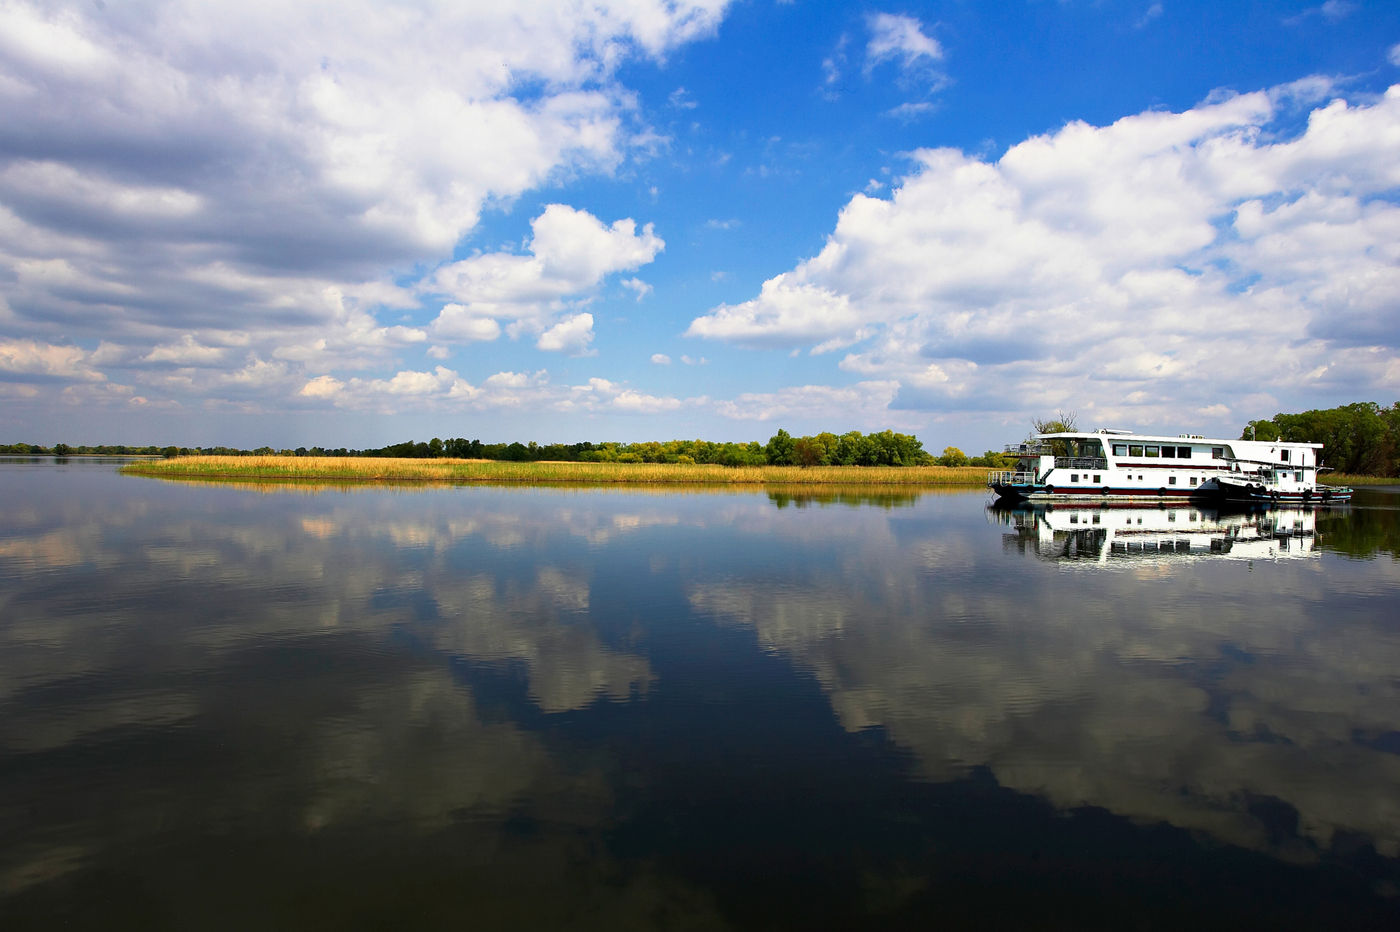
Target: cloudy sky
<point>355,223</point>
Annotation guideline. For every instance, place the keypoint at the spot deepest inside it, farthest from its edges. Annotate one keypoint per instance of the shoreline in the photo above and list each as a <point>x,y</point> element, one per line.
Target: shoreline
<point>372,470</point>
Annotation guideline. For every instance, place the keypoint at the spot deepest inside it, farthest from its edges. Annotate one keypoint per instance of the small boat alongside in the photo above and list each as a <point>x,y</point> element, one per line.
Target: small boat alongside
<point>1270,485</point>
<point>1122,466</point>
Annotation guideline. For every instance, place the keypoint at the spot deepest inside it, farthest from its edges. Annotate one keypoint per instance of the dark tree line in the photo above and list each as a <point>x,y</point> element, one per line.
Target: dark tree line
<point>884,448</point>
<point>1361,438</point>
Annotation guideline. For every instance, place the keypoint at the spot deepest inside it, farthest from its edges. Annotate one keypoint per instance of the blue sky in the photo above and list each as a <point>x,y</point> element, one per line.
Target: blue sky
<point>355,223</point>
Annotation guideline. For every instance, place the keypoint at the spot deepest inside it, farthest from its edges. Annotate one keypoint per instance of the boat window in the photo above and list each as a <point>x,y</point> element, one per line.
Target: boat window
<point>1074,477</point>
<point>1283,456</point>
<point>1183,453</point>
<point>1171,480</point>
<point>1217,453</point>
<point>1120,449</point>
<point>1096,519</point>
<point>1097,478</point>
<point>1150,451</point>
<point>1135,449</point>
<point>1169,452</point>
<point>1194,480</point>
<point>1298,476</point>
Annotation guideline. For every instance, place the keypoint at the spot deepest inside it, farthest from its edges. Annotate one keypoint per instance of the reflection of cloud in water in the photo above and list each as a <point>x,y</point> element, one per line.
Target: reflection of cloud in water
<point>544,625</point>
<point>1156,700</point>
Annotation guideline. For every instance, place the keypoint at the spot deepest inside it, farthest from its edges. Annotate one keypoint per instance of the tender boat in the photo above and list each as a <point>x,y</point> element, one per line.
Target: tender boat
<point>1118,465</point>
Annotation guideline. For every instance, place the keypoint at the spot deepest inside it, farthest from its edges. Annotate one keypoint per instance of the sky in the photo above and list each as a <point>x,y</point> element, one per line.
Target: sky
<point>356,223</point>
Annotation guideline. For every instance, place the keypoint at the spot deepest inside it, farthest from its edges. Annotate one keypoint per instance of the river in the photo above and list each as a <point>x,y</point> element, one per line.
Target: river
<point>264,706</point>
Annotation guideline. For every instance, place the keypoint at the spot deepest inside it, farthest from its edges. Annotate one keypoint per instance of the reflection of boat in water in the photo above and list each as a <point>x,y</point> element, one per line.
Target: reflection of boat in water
<point>1106,533</point>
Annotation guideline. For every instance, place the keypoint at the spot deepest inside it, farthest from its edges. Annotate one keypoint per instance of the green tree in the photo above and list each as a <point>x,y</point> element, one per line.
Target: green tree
<point>780,449</point>
<point>952,456</point>
<point>808,451</point>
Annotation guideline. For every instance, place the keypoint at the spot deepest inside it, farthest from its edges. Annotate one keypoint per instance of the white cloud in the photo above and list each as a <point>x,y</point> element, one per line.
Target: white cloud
<point>912,110</point>
<point>900,39</point>
<point>1151,13</point>
<point>457,323</point>
<point>186,352</point>
<point>443,389</point>
<point>200,175</point>
<point>660,359</point>
<point>1338,9</point>
<point>1394,55</point>
<point>1332,11</point>
<point>638,287</point>
<point>634,402</point>
<point>862,402</point>
<point>571,335</point>
<point>30,359</point>
<point>785,312</point>
<point>1105,269</point>
<point>571,252</point>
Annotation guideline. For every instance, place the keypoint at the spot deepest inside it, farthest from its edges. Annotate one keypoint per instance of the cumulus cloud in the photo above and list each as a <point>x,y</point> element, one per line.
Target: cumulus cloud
<point>1137,265</point>
<point>570,253</point>
<point>29,360</point>
<point>570,336</point>
<point>200,181</point>
<point>445,390</point>
<point>862,402</point>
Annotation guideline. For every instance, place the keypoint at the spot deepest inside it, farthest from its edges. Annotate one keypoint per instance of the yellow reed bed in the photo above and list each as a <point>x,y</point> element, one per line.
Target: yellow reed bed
<point>374,469</point>
<point>1339,478</point>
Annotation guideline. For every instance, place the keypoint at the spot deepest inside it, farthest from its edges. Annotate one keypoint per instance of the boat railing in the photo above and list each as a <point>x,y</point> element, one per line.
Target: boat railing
<point>1010,477</point>
<point>1029,448</point>
<point>1080,462</point>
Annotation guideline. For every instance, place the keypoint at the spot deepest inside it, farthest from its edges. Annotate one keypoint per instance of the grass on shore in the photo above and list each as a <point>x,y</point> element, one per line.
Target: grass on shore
<point>1341,478</point>
<point>377,469</point>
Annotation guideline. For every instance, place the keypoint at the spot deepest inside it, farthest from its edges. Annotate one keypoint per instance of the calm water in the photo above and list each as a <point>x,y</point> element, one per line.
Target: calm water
<point>243,707</point>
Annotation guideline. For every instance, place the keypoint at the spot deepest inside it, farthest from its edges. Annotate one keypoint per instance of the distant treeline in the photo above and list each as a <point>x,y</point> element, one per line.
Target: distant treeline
<point>884,448</point>
<point>1362,438</point>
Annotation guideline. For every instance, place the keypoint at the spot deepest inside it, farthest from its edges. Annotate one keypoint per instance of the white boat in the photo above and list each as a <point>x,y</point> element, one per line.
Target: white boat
<point>1118,465</point>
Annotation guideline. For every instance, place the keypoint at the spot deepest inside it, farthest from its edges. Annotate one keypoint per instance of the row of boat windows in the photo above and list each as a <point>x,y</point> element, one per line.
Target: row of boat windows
<point>1098,477</point>
<point>1156,451</point>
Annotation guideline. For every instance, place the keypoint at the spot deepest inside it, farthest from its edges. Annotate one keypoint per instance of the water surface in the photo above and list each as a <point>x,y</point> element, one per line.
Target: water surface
<point>282,707</point>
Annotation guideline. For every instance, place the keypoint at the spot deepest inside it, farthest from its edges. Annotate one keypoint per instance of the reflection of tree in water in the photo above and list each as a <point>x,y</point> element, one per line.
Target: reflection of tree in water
<point>854,498</point>
<point>1371,525</point>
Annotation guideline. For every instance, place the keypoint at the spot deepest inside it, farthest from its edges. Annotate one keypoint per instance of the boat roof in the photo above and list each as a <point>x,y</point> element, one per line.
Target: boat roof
<point>1121,436</point>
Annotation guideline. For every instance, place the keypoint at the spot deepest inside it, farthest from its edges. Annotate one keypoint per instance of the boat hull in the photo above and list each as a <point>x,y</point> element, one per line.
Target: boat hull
<point>1247,490</point>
